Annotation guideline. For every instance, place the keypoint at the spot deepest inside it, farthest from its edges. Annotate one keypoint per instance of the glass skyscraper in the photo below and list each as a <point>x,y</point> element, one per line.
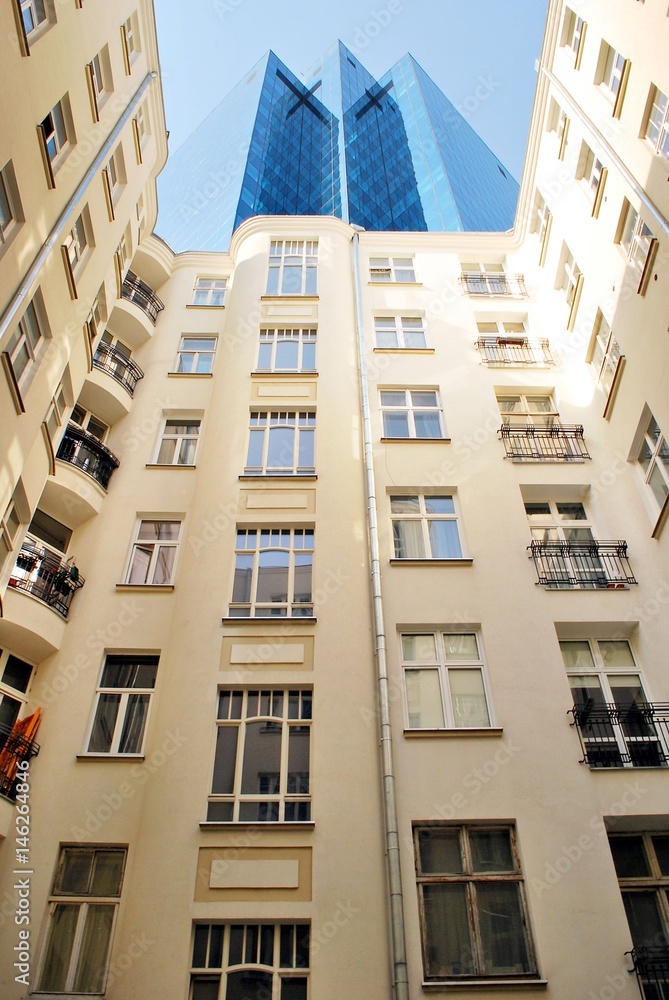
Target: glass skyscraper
<point>388,154</point>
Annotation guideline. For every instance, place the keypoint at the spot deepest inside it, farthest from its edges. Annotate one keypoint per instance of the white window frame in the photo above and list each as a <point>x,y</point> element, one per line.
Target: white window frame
<point>654,464</point>
<point>88,421</point>
<point>656,130</point>
<point>278,802</point>
<point>197,355</point>
<point>421,514</point>
<point>209,292</point>
<point>573,34</point>
<point>542,220</point>
<point>569,275</point>
<point>56,133</point>
<point>298,545</point>
<point>411,407</point>
<point>124,693</point>
<point>635,236</point>
<point>180,440</point>
<point>11,212</point>
<point>78,242</point>
<point>84,901</point>
<point>23,340</point>
<point>555,527</point>
<point>156,547</point>
<point>299,424</point>
<point>605,353</point>
<point>591,171</point>
<point>272,338</point>
<point>286,259</point>
<point>401,329</point>
<point>56,413</point>
<point>116,172</point>
<point>442,664</point>
<point>526,409</point>
<point>395,269</point>
<point>612,73</point>
<point>10,526</point>
<point>38,13</point>
<point>130,40</point>
<point>295,936</point>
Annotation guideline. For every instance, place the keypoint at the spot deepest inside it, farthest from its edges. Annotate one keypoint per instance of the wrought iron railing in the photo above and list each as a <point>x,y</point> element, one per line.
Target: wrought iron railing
<point>514,351</point>
<point>137,291</point>
<point>557,443</point>
<point>84,451</point>
<point>651,966</point>
<point>623,736</point>
<point>489,283</point>
<point>119,366</point>
<point>41,572</point>
<point>588,565</point>
<point>14,748</point>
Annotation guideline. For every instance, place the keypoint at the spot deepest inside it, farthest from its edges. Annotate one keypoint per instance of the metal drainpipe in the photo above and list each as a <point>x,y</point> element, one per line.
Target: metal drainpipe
<point>21,294</point>
<point>400,976</point>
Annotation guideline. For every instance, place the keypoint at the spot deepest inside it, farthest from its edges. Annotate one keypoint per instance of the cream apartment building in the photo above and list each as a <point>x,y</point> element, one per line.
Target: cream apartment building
<point>336,563</point>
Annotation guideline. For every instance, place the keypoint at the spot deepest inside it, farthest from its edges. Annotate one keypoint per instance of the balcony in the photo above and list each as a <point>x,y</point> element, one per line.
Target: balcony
<point>119,366</point>
<point>15,747</point>
<point>652,971</point>
<point>85,452</point>
<point>622,736</point>
<point>137,291</point>
<point>557,443</point>
<point>491,283</point>
<point>508,351</point>
<point>584,565</point>
<point>41,573</point>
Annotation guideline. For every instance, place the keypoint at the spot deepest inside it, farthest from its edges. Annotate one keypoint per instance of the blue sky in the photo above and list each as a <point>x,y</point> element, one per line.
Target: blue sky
<point>481,55</point>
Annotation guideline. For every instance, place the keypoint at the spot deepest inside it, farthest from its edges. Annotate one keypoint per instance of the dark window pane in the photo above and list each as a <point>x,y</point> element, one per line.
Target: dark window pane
<point>294,989</point>
<point>440,851</point>
<point>448,943</point>
<point>643,916</point>
<point>216,946</point>
<point>236,950</point>
<point>224,760</point>
<point>205,987</point>
<point>491,851</point>
<point>107,873</point>
<point>249,985</point>
<point>219,812</point>
<point>661,845</point>
<point>505,950</point>
<point>200,946</point>
<point>75,871</point>
<point>17,673</point>
<point>629,857</point>
<point>262,755</point>
<point>286,947</point>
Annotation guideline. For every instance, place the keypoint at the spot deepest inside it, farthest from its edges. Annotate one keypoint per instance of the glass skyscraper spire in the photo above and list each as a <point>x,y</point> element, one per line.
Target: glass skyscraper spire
<point>388,154</point>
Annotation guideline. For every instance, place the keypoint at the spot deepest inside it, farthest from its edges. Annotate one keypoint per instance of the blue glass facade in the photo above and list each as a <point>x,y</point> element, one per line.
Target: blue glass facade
<point>387,155</point>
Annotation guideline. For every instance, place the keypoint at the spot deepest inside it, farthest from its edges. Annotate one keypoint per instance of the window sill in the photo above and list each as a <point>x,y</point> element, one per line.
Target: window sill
<point>395,284</point>
<point>448,733</point>
<point>264,477</point>
<point>303,620</point>
<point>266,373</point>
<point>189,374</point>
<point>404,350</point>
<point>487,984</point>
<point>157,465</point>
<point>299,825</point>
<point>144,587</point>
<point>110,756</point>
<point>419,440</point>
<point>195,305</point>
<point>289,295</point>
<point>462,561</point>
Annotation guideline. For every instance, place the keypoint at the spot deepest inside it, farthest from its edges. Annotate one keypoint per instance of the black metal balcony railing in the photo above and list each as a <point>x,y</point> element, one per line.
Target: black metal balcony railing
<point>588,565</point>
<point>119,366</point>
<point>14,748</point>
<point>484,283</point>
<point>84,451</point>
<point>137,291</point>
<point>652,971</point>
<point>627,736</point>
<point>514,351</point>
<point>557,443</point>
<point>40,572</point>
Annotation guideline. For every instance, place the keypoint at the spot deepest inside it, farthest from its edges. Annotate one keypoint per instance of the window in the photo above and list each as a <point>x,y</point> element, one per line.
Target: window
<point>642,864</point>
<point>591,172</point>
<point>83,906</point>
<point>558,122</point>
<point>541,223</point>
<point>444,681</point>
<point>99,78</point>
<point>573,34</point>
<point>56,136</point>
<point>391,269</point>
<point>34,13</point>
<point>505,343</point>
<point>411,413</point>
<point>154,553</point>
<point>612,75</point>
<point>196,355</point>
<point>141,130</point>
<point>482,278</point>
<point>122,704</point>
<point>273,573</point>
<point>611,709</point>
<point>535,410</point>
<point>286,350</point>
<point>22,347</point>
<point>15,677</point>
<point>397,332</point>
<point>98,314</point>
<point>425,527</point>
<point>115,178</point>
<point>258,779</point>
<point>281,442</point>
<point>638,242</point>
<point>89,422</point>
<point>293,267</point>
<point>78,241</point>
<point>130,41</point>
<point>606,355</point>
<point>56,412</point>
<point>268,961</point>
<point>473,914</point>
<point>178,444</point>
<point>209,291</point>
<point>10,204</point>
<point>657,123</point>
<point>653,458</point>
<point>9,529</point>
<point>570,280</point>
<point>552,521</point>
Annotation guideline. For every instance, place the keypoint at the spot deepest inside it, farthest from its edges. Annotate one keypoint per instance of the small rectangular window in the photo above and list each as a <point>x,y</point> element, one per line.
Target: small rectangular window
<point>611,75</point>
<point>411,413</point>
<point>384,269</point>
<point>11,212</point>
<point>196,355</point>
<point>209,291</point>
<point>23,347</point>
<point>122,704</point>
<point>653,461</point>
<point>130,41</point>
<point>178,443</point>
<point>400,332</point>
<point>657,122</point>
<point>56,137</point>
<point>444,681</point>
<point>425,526</point>
<point>153,556</point>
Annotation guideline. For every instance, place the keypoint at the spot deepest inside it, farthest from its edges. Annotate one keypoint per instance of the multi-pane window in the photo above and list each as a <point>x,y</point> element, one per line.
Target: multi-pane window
<point>611,704</point>
<point>233,961</point>
<point>293,267</point>
<point>425,527</point>
<point>261,764</point>
<point>77,241</point>
<point>411,413</point>
<point>642,865</point>
<point>23,344</point>
<point>9,529</point>
<point>635,236</point>
<point>573,32</point>
<point>590,168</point>
<point>394,332</point>
<point>178,443</point>
<point>558,122</point>
<point>54,131</point>
<point>391,269</point>
<point>141,120</point>
<point>130,40</point>
<point>82,910</point>
<point>273,573</point>
<point>503,342</point>
<point>15,677</point>
<point>122,704</point>
<point>196,355</point>
<point>33,13</point>
<point>209,291</point>
<point>653,458</point>
<point>473,914</point>
<point>100,81</point>
<point>541,224</point>
<point>558,521</point>
<point>116,172</point>
<point>287,350</point>
<point>444,681</point>
<point>89,422</point>
<point>10,204</point>
<point>154,553</point>
<point>657,126</point>
<point>56,412</point>
<point>605,353</point>
<point>569,275</point>
<point>281,442</point>
<point>611,68</point>
<point>535,410</point>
